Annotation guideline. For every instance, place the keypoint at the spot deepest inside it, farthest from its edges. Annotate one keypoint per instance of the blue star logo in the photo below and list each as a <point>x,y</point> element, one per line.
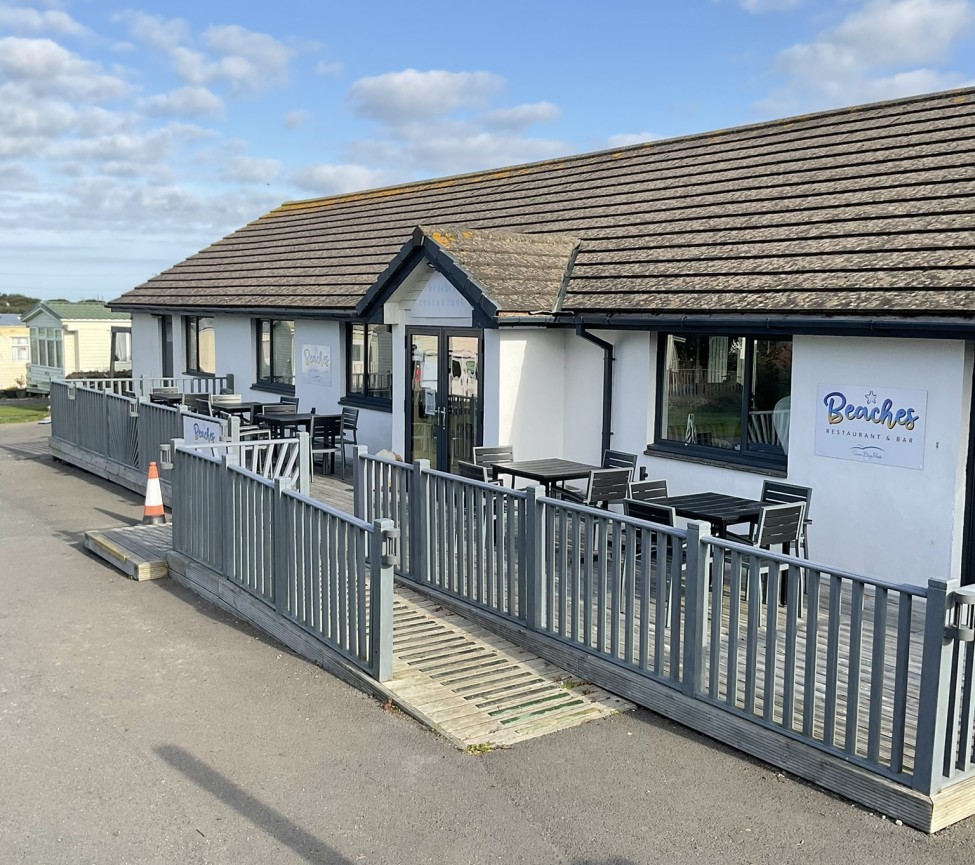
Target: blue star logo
<point>871,398</point>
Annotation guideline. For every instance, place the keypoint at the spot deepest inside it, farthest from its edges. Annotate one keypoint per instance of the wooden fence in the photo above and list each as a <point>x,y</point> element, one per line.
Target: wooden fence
<point>324,571</point>
<point>879,675</point>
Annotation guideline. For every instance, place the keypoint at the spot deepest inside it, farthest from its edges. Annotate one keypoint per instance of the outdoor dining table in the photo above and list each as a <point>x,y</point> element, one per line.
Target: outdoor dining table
<point>239,408</point>
<point>550,472</point>
<point>281,423</point>
<point>166,398</point>
<point>718,509</point>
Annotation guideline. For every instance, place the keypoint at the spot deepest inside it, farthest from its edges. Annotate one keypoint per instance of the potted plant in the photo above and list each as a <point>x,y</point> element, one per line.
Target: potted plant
<point>21,386</point>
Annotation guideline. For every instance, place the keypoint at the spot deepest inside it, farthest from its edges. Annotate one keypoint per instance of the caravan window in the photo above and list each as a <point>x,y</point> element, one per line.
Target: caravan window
<point>725,396</point>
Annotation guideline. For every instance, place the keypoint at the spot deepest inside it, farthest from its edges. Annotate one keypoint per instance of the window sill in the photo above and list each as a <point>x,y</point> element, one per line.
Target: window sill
<point>741,464</point>
<point>267,387</point>
<point>198,374</point>
<point>383,405</point>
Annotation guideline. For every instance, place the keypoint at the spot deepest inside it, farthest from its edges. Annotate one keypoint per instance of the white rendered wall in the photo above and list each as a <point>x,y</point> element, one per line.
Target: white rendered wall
<point>146,350</point>
<point>879,520</point>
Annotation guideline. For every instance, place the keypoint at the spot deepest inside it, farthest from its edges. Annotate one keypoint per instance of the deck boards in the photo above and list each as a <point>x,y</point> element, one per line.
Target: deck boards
<point>138,551</point>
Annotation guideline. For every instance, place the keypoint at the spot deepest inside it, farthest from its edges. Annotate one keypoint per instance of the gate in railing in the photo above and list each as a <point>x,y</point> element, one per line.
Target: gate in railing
<point>325,571</point>
<point>877,674</point>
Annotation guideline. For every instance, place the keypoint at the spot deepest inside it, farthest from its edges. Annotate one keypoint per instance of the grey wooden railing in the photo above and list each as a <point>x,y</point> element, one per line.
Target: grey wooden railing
<point>142,386</point>
<point>325,571</point>
<point>878,674</point>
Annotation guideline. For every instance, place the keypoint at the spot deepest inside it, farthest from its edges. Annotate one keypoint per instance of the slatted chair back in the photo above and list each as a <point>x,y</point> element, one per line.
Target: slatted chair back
<point>779,493</point>
<point>323,436</point>
<point>473,471</point>
<point>350,424</point>
<point>780,526</point>
<point>157,392</point>
<point>280,408</point>
<point>662,515</point>
<point>606,486</point>
<point>486,455</point>
<point>619,460</point>
<point>647,491</point>
<point>292,400</point>
<point>220,399</point>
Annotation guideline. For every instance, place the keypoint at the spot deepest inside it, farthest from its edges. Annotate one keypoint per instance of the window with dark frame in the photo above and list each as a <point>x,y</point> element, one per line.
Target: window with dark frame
<point>369,367</point>
<point>201,349</point>
<point>275,340</point>
<point>726,397</point>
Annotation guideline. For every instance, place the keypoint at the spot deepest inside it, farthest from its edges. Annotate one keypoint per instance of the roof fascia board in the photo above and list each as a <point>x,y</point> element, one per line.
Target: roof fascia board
<point>249,311</point>
<point>812,326</point>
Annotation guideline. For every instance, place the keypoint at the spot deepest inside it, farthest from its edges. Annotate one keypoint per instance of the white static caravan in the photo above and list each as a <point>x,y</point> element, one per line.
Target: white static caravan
<point>699,302</point>
<point>70,337</point>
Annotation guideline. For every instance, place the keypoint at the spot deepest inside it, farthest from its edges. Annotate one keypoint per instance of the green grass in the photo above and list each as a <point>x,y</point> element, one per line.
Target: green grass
<point>23,413</point>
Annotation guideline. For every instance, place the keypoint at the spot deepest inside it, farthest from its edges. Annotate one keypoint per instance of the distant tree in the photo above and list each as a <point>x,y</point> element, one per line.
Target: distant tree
<point>16,303</point>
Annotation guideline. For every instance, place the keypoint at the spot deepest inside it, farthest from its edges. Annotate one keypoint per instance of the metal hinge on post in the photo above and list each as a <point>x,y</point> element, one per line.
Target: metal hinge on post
<point>961,626</point>
<point>391,548</point>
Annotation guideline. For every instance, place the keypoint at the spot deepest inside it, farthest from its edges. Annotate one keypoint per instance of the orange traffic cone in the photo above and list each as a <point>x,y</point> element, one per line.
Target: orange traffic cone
<point>153,513</point>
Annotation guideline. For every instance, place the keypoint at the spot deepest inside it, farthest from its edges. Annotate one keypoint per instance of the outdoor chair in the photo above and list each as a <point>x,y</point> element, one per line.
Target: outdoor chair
<point>156,393</point>
<point>245,430</point>
<point>348,432</point>
<point>605,486</point>
<point>475,472</point>
<point>778,492</point>
<point>612,460</point>
<point>282,409</point>
<point>487,455</point>
<point>647,491</point>
<point>660,515</point>
<point>778,526</point>
<point>290,400</point>
<point>323,435</point>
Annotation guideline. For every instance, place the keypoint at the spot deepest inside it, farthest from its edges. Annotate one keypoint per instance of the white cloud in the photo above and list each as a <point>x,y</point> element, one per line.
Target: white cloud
<point>521,116</point>
<point>336,179</point>
<point>332,69</point>
<point>23,20</point>
<point>413,95</point>
<point>627,139</point>
<point>886,49</point>
<point>191,101</point>
<point>46,68</point>
<point>247,62</point>
<point>294,119</point>
<point>246,169</point>
<point>759,6</point>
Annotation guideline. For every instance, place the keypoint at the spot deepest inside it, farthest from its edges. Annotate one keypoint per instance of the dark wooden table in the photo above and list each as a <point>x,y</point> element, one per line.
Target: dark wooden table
<point>549,472</point>
<point>280,423</point>
<point>245,407</point>
<point>166,398</point>
<point>718,509</point>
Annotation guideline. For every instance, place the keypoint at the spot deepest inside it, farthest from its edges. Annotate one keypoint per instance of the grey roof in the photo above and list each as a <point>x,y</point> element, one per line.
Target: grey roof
<point>88,310</point>
<point>863,210</point>
<point>10,319</point>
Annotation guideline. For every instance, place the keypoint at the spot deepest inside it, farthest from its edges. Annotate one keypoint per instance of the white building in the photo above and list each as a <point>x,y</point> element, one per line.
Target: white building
<point>788,300</point>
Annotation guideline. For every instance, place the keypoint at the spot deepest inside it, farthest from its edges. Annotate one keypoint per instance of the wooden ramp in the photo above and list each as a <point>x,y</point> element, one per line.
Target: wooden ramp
<point>137,551</point>
<point>478,689</point>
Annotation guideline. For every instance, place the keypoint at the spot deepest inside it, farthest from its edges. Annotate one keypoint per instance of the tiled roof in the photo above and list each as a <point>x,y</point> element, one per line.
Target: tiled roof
<point>83,309</point>
<point>862,210</point>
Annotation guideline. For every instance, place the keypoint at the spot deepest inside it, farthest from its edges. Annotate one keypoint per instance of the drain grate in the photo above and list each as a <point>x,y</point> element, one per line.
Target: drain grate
<point>477,688</point>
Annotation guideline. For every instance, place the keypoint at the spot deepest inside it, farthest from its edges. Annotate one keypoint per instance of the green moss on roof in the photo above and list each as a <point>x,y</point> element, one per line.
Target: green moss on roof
<point>84,309</point>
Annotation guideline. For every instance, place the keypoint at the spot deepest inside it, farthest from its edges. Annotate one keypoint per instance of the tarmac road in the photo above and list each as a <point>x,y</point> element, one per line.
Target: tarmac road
<point>140,725</point>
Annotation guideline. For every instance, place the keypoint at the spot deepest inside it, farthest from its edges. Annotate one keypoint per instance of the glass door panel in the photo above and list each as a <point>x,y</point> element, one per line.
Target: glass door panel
<point>425,403</point>
<point>463,398</point>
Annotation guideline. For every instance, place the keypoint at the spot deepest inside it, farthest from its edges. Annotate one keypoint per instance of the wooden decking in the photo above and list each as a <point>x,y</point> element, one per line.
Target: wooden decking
<point>138,551</point>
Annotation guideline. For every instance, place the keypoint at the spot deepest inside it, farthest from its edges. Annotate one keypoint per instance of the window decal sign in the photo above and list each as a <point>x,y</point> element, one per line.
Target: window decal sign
<point>316,364</point>
<point>871,424</point>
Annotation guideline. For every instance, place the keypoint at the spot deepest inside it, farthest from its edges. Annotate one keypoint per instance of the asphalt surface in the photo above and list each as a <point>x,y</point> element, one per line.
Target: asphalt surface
<point>139,724</point>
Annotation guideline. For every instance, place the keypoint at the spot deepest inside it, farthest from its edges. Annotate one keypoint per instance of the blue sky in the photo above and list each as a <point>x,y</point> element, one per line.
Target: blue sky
<point>133,135</point>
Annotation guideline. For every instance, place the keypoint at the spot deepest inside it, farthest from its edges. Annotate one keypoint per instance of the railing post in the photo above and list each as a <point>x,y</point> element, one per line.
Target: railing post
<point>227,523</point>
<point>932,711</point>
<point>279,548</point>
<point>304,462</point>
<point>419,537</point>
<point>532,602</point>
<point>358,480</point>
<point>233,425</point>
<point>383,557</point>
<point>695,591</point>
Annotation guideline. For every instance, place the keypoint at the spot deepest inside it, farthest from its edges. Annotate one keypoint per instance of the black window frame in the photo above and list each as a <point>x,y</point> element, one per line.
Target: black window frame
<point>364,398</point>
<point>191,338</point>
<point>744,458</point>
<point>269,384</point>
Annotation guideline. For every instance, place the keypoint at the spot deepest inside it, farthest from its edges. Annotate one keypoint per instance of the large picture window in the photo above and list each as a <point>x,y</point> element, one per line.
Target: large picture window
<point>46,347</point>
<point>201,349</point>
<point>369,371</point>
<point>726,396</point>
<point>276,353</point>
